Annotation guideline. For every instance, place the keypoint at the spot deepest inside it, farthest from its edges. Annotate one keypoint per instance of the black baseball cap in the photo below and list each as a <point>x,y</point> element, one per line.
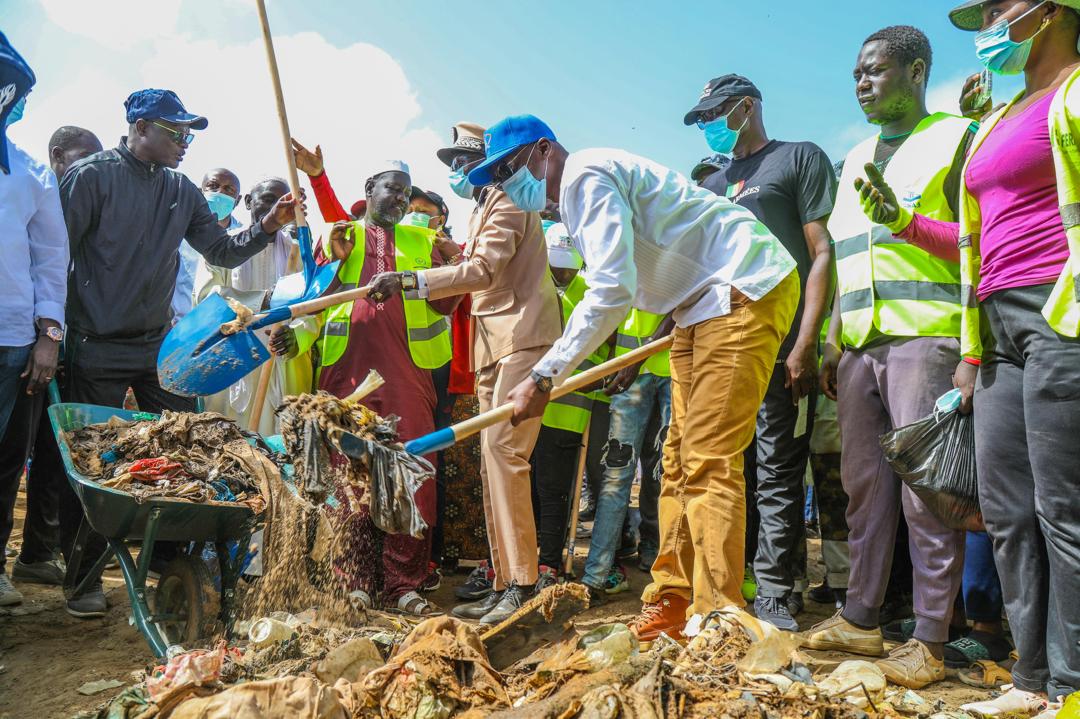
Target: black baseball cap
<point>153,104</point>
<point>432,197</point>
<point>719,89</point>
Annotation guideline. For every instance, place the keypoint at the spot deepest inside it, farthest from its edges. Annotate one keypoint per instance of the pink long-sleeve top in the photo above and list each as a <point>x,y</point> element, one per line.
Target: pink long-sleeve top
<point>1012,177</point>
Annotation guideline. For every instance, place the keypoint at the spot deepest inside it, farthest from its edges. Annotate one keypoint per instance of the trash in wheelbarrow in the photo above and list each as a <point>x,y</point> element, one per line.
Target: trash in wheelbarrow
<point>197,457</point>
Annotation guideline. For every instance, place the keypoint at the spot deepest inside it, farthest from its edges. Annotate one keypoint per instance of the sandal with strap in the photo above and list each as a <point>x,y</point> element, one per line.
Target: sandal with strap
<point>984,674</point>
<point>976,646</point>
<point>413,604</point>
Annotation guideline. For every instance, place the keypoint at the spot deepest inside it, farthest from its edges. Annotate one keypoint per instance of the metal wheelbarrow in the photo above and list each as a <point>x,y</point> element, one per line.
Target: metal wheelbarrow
<point>186,606</point>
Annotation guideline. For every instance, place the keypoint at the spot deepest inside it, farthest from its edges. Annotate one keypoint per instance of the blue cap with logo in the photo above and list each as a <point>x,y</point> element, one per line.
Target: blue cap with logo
<point>16,79</point>
<point>503,138</point>
<point>164,105</point>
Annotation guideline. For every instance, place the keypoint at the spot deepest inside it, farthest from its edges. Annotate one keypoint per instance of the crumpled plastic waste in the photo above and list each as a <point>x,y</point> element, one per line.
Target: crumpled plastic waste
<point>441,667</point>
<point>608,645</point>
<point>283,698</point>
<point>197,457</point>
<point>858,682</point>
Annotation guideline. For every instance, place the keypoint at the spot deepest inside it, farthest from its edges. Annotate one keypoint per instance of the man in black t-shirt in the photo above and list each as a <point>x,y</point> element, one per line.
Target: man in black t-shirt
<point>790,187</point>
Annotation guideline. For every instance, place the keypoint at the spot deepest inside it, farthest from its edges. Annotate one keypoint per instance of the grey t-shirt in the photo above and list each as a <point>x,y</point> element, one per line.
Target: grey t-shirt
<point>786,185</point>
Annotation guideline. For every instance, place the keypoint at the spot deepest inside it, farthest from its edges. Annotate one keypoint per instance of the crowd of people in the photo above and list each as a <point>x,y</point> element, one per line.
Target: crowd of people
<point>814,308</point>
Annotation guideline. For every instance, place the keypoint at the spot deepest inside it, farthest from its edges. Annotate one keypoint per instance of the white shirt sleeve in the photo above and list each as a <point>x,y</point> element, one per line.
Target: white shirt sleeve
<point>598,218</point>
<point>49,253</point>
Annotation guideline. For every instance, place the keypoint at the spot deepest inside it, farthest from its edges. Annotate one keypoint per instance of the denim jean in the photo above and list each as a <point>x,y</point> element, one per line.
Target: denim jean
<point>630,412</point>
<point>12,364</point>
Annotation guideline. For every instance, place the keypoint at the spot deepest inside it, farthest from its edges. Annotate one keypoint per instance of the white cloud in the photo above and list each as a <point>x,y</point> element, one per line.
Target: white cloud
<point>355,101</point>
<point>109,21</point>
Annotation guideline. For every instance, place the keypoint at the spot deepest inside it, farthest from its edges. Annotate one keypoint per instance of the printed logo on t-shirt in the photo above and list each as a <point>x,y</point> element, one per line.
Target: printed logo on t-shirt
<point>736,191</point>
<point>912,199</point>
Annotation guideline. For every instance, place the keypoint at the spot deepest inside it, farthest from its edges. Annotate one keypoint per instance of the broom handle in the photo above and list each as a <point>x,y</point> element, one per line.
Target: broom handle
<point>286,136</point>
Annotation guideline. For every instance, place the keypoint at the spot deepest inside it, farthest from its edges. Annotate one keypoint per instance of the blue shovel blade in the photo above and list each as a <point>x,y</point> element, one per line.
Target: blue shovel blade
<point>192,366</point>
<point>294,288</point>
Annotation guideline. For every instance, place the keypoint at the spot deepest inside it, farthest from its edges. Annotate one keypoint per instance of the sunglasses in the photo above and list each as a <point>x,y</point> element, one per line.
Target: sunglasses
<point>461,161</point>
<point>177,136</point>
<point>707,116</point>
<point>506,170</point>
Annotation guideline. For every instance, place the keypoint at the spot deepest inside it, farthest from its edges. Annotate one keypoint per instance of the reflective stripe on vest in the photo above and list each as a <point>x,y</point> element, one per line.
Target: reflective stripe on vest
<point>885,283</point>
<point>1062,308</point>
<point>427,331</point>
<point>636,331</point>
<point>571,412</point>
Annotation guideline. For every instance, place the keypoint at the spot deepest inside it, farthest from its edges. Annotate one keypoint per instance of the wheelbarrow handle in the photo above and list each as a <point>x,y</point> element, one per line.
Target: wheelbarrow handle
<point>443,438</point>
<point>309,307</point>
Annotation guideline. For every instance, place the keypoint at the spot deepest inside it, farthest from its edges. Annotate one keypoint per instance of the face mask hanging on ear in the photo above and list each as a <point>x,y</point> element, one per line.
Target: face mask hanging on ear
<point>999,53</point>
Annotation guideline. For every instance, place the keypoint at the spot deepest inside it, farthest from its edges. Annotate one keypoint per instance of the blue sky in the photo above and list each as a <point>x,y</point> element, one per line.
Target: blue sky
<point>363,76</point>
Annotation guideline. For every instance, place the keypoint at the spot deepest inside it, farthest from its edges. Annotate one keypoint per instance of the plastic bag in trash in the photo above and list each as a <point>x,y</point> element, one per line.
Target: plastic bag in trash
<point>396,476</point>
<point>935,457</point>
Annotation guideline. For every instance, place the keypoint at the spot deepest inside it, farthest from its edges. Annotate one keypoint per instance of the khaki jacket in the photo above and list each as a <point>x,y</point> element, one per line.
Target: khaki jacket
<point>514,304</point>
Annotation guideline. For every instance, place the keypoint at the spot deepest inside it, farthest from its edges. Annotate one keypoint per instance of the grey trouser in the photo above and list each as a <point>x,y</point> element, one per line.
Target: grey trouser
<point>1027,439</point>
<point>886,386</point>
<point>779,490</point>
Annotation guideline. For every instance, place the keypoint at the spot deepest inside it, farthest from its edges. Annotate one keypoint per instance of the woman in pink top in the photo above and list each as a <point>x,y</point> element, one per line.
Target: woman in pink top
<point>1027,402</point>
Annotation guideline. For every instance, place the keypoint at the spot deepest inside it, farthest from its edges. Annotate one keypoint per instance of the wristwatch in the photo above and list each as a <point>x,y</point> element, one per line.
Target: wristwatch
<point>544,384</point>
<point>408,281</point>
<point>54,333</point>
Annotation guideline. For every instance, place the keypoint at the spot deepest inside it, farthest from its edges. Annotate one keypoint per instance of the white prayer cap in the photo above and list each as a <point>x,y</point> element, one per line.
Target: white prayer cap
<point>389,166</point>
<point>561,251</point>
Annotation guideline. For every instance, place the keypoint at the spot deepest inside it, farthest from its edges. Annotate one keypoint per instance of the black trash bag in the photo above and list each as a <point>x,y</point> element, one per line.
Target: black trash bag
<point>935,457</point>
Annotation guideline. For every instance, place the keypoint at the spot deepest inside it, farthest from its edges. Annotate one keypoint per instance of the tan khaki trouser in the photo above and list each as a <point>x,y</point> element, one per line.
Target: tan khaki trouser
<point>720,370</point>
<point>505,451</point>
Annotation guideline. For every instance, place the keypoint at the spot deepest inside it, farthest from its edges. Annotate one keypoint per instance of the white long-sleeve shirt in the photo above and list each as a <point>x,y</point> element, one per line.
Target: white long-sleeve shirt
<point>33,249</point>
<point>653,240</point>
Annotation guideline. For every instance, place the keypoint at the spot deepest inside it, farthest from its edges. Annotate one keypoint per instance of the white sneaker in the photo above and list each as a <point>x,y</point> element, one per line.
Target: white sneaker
<point>1013,701</point>
<point>9,595</point>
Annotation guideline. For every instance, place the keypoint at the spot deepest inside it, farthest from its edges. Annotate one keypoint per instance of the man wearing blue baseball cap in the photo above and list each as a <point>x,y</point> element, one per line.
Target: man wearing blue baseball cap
<point>33,267</point>
<point>127,210</point>
<point>654,241</point>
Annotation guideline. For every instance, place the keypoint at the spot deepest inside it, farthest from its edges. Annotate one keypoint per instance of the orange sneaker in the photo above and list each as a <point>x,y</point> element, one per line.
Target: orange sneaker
<point>667,614</point>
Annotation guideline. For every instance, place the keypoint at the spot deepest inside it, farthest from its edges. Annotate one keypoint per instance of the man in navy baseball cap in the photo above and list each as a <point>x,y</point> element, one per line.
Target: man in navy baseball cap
<point>151,104</point>
<point>16,79</point>
<point>505,137</point>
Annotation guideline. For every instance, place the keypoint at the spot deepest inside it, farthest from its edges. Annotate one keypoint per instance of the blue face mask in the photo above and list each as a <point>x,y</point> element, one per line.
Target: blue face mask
<point>220,204</point>
<point>17,110</point>
<point>719,136</point>
<point>524,190</point>
<point>999,53</point>
<point>459,183</point>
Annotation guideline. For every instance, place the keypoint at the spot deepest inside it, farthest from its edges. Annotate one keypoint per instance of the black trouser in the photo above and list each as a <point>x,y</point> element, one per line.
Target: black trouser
<point>598,436</point>
<point>100,372</point>
<point>775,470</point>
<point>444,406</point>
<point>1027,421</point>
<point>652,455</point>
<point>28,432</point>
<point>554,469</point>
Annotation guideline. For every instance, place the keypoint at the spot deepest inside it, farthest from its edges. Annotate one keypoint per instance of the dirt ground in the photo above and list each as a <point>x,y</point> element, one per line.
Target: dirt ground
<point>46,655</point>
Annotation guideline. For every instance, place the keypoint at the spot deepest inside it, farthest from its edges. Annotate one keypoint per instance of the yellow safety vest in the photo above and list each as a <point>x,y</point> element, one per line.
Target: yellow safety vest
<point>636,331</point>
<point>886,284</point>
<point>427,331</point>
<point>1062,309</point>
<point>571,412</point>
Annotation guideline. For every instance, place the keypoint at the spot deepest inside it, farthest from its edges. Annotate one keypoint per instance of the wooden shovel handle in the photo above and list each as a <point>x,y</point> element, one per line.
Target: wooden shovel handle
<point>319,304</point>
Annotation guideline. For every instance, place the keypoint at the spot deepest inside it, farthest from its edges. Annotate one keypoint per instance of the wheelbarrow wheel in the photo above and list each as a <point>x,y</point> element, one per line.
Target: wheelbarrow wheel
<point>186,604</point>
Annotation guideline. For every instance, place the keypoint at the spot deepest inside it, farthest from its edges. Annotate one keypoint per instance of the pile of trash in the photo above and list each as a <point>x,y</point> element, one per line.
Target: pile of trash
<point>733,665</point>
<point>197,457</point>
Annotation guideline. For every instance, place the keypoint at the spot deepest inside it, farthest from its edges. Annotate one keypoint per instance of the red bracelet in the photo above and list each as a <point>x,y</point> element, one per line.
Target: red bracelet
<point>973,361</point>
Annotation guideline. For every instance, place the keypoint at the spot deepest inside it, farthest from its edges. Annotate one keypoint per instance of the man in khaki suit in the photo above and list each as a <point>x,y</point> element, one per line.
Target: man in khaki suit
<point>516,319</point>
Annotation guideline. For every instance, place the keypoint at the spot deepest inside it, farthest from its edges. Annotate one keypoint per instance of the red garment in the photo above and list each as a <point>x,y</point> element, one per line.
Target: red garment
<point>462,380</point>
<point>378,341</point>
<point>331,209</point>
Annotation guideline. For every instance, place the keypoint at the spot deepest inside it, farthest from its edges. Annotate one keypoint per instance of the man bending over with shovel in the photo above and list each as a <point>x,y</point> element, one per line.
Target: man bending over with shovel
<point>651,239</point>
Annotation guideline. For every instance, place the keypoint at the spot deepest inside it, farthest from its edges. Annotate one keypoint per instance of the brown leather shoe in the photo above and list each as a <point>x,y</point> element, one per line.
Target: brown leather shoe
<point>667,614</point>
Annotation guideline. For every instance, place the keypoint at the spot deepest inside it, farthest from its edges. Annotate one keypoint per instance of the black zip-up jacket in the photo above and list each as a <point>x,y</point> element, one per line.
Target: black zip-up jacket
<point>125,220</point>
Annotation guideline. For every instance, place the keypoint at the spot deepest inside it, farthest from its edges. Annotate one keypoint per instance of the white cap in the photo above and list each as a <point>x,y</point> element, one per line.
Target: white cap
<point>389,166</point>
<point>561,251</point>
